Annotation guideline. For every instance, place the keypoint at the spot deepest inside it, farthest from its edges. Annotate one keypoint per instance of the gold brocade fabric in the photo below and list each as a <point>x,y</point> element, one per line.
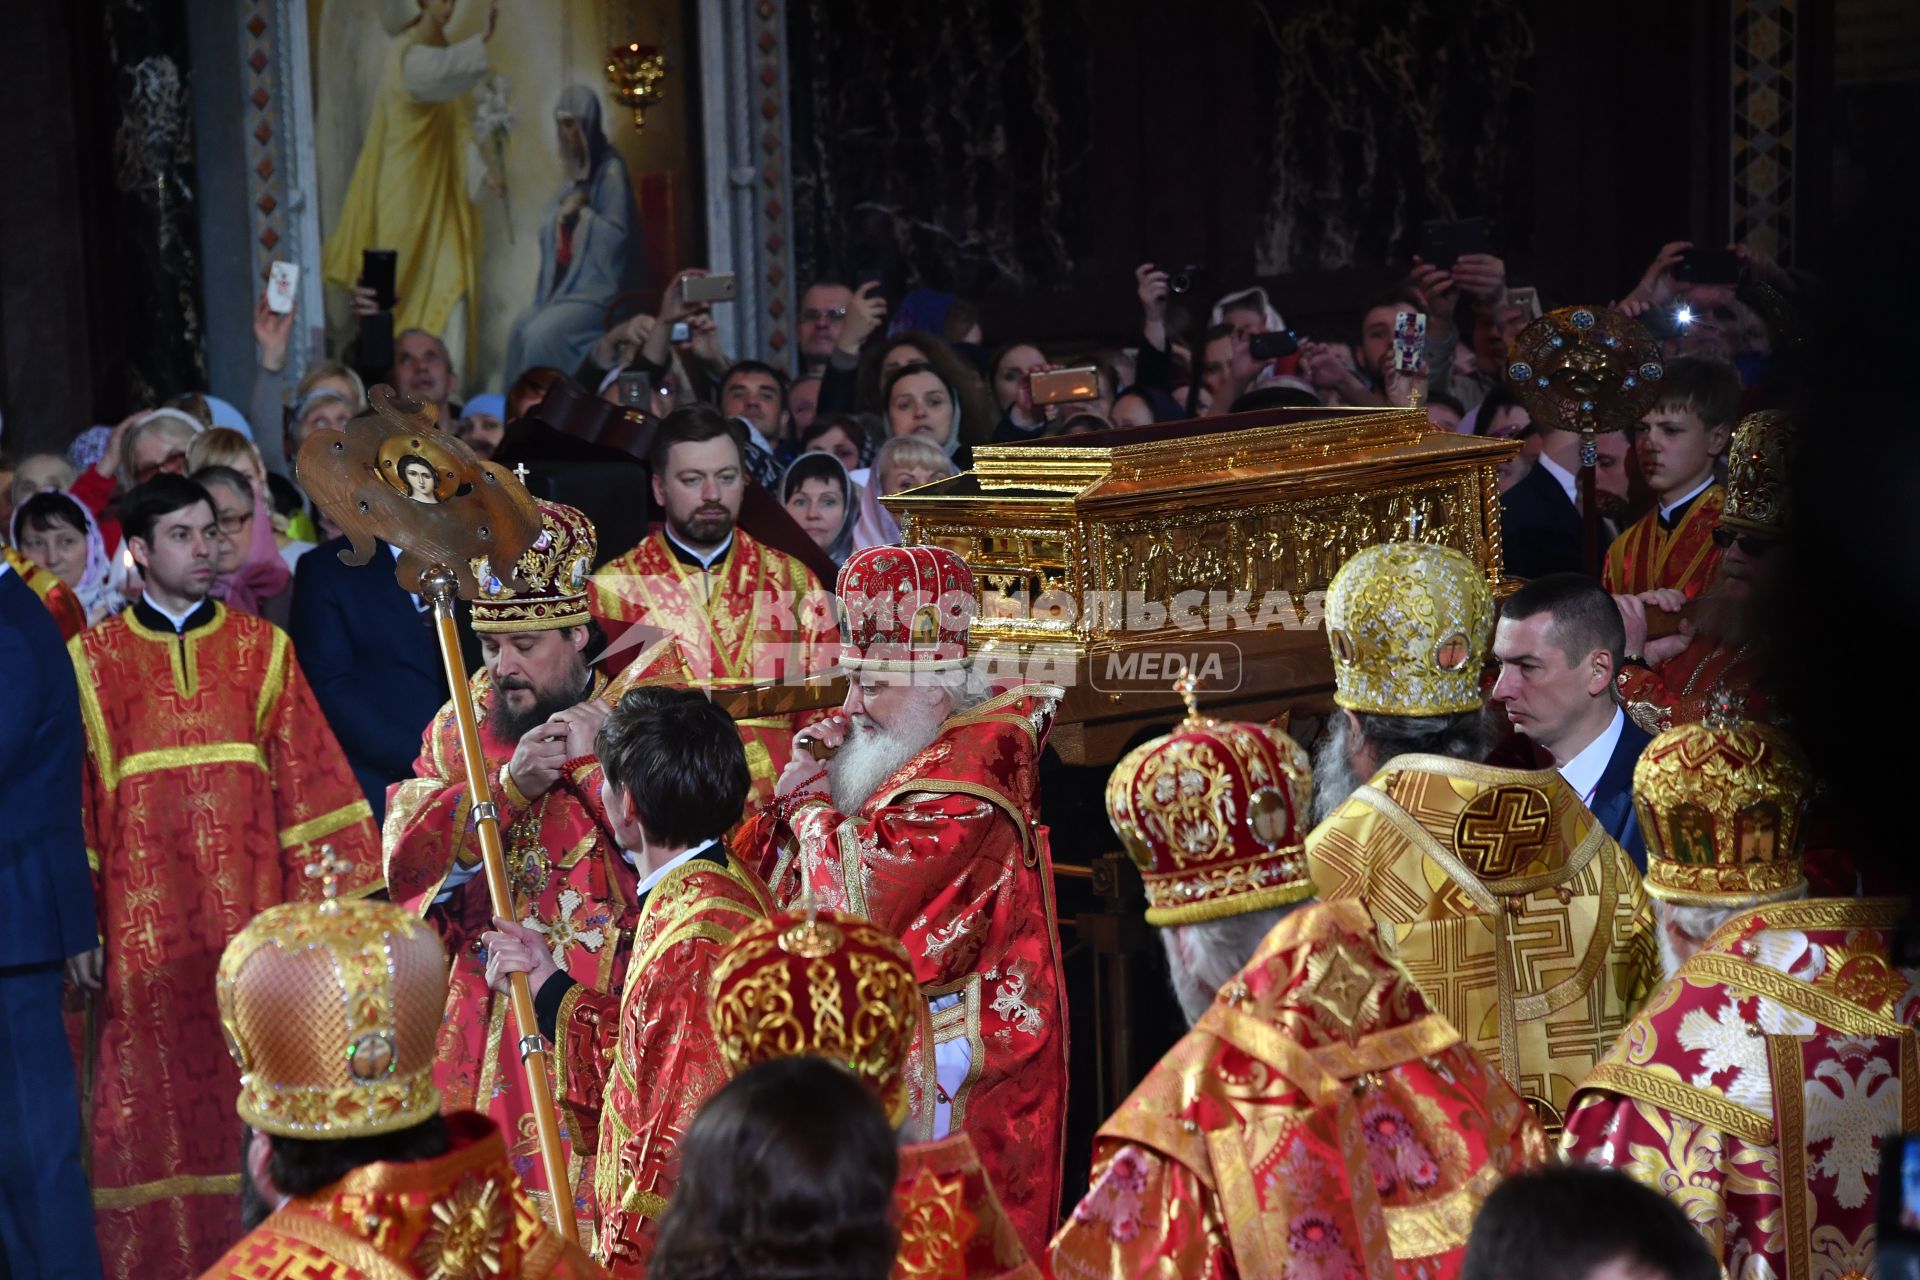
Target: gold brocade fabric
<point>1318,1121</point>
<point>1521,921</point>
<point>459,1216</point>
<point>952,1226</point>
<point>1754,1087</point>
<point>752,618</point>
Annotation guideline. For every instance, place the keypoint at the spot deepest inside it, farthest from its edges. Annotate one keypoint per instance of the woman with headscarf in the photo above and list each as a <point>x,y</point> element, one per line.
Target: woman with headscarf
<point>823,500</point>
<point>57,532</point>
<point>589,244</point>
<point>920,400</point>
<point>904,462</point>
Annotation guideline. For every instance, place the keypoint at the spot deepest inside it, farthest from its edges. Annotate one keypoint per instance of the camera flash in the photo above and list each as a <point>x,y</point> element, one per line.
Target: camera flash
<point>1683,316</point>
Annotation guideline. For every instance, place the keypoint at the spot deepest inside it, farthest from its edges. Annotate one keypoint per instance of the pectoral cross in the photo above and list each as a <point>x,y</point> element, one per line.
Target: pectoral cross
<point>520,472</point>
<point>328,871</point>
<point>1415,518</point>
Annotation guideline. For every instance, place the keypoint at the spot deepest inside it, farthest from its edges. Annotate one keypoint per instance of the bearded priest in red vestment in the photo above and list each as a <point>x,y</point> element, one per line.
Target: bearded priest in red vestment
<point>743,612</point>
<point>827,984</point>
<point>637,1068</point>
<point>211,782</point>
<point>539,705</point>
<point>1319,1119</point>
<point>1754,1087</point>
<point>926,822</point>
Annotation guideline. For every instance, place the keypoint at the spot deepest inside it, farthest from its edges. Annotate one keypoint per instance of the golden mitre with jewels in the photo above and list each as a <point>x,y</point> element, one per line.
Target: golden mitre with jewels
<point>1721,805</point>
<point>1409,624</point>
<point>1759,460</point>
<point>331,1010</point>
<point>810,981</point>
<point>555,570</point>
<point>1213,816</point>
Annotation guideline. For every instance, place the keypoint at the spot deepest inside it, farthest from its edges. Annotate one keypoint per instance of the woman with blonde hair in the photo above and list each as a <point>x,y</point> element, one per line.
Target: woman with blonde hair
<point>903,462</point>
<point>262,574</point>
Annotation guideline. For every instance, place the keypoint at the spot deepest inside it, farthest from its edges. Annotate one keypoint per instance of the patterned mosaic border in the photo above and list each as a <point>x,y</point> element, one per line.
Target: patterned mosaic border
<point>1765,84</point>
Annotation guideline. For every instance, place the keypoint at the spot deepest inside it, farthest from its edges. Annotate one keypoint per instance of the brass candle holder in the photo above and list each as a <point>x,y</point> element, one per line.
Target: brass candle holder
<point>637,73</point>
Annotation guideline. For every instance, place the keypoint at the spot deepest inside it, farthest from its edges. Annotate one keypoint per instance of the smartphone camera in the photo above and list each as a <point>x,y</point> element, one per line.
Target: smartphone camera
<point>1187,279</point>
<point>636,391</point>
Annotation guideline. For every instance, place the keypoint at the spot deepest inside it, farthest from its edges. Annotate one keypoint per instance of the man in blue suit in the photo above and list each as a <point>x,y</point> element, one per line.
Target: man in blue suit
<point>368,649</point>
<point>1558,643</point>
<point>46,922</point>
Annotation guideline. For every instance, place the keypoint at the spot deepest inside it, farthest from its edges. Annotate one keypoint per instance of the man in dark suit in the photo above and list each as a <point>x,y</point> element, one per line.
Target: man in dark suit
<point>46,924</point>
<point>368,649</point>
<point>1558,643</point>
<point>1540,522</point>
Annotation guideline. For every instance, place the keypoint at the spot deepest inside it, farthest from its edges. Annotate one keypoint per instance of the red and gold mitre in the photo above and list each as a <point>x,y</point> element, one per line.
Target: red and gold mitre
<point>906,609</point>
<point>1759,459</point>
<point>331,1010</point>
<point>1214,816</point>
<point>1721,805</point>
<point>555,568</point>
<point>1409,624</point>
<point>819,982</point>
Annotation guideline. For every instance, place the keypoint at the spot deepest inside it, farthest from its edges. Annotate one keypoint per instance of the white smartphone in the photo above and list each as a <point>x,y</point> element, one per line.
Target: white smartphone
<point>282,279</point>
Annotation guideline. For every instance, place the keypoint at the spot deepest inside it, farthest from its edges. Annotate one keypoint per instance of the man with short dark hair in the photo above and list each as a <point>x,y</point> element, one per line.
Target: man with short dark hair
<point>742,611</point>
<point>755,394</point>
<point>1558,643</point>
<point>211,783</point>
<point>348,1167</point>
<point>540,703</point>
<point>1680,441</point>
<point>1571,1223</point>
<point>638,1061</point>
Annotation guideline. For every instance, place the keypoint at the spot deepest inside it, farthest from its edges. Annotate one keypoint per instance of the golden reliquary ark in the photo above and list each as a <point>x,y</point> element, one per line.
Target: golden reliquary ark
<point>1127,554</point>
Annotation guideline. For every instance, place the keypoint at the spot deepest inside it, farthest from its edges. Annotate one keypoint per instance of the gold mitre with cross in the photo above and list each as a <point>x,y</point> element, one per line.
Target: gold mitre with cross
<point>1409,624</point>
<point>1722,804</point>
<point>1213,814</point>
<point>331,1009</point>
<point>553,571</point>
<point>1759,460</point>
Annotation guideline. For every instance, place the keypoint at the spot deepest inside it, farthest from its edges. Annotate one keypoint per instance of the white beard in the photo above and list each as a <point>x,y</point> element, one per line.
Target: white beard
<point>871,755</point>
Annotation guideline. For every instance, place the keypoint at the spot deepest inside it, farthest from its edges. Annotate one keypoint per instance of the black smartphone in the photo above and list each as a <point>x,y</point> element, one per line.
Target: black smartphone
<point>864,277</point>
<point>376,343</point>
<point>1443,243</point>
<point>379,269</point>
<point>636,391</point>
<point>1708,266</point>
<point>1274,346</point>
<point>1191,278</point>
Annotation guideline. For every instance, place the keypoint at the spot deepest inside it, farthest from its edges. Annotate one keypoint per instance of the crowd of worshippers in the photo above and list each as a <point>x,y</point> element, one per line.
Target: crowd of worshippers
<point>1552,889</point>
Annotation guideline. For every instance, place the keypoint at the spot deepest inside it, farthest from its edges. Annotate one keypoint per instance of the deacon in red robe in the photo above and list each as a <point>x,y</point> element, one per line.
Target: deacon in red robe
<point>635,1068</point>
<point>212,781</point>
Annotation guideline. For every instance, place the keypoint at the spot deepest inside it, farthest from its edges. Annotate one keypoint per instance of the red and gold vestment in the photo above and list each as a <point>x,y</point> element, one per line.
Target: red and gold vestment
<point>1682,689</point>
<point>1755,1085</point>
<point>211,782</point>
<point>1647,557</point>
<point>1518,917</point>
<point>748,619</point>
<point>59,598</point>
<point>636,1069</point>
<point>952,1226</point>
<point>1318,1122</point>
<point>460,1214</point>
<point>949,856</point>
<point>569,882</point>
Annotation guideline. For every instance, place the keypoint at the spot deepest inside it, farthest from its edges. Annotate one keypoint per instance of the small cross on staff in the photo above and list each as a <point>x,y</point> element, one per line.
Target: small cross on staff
<point>1415,518</point>
<point>520,472</point>
<point>328,870</point>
